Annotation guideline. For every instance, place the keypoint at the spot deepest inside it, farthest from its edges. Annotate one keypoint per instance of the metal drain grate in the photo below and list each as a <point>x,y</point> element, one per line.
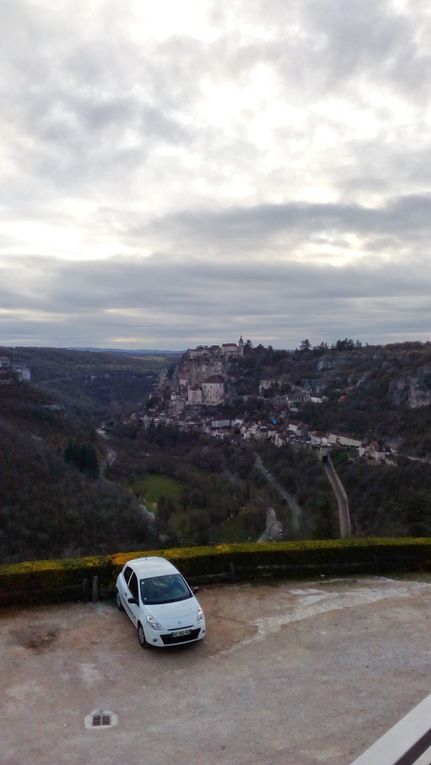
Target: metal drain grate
<point>100,719</point>
<point>103,718</point>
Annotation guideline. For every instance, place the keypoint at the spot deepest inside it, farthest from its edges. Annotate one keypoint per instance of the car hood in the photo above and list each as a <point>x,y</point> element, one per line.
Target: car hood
<point>175,615</point>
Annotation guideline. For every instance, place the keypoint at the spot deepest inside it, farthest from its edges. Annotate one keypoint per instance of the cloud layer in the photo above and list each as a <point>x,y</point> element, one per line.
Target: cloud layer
<point>182,173</point>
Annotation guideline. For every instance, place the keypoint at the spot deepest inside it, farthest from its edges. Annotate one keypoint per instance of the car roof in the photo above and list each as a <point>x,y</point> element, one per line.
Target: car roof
<point>151,566</point>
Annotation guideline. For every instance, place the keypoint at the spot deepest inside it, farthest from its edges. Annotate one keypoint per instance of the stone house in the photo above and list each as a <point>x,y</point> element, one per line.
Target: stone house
<point>194,395</point>
<point>213,390</point>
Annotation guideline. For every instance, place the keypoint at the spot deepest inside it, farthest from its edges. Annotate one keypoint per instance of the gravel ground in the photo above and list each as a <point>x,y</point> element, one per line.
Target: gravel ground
<point>297,673</point>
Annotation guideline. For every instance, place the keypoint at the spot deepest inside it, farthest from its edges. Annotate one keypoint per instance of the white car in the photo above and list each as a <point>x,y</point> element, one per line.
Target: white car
<point>159,602</point>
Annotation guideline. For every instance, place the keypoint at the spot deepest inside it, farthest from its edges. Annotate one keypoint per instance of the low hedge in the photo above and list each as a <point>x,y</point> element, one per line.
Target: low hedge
<point>52,580</point>
<point>73,579</point>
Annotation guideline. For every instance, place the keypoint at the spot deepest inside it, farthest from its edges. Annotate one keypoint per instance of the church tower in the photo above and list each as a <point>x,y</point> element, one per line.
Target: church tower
<point>241,346</point>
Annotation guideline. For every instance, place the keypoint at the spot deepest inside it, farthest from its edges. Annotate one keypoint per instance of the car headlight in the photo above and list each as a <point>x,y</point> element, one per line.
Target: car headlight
<point>200,615</point>
<point>152,621</point>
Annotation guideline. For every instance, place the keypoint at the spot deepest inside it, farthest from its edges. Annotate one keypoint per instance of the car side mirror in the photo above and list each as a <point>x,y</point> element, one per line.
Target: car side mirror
<point>133,600</point>
<point>196,589</point>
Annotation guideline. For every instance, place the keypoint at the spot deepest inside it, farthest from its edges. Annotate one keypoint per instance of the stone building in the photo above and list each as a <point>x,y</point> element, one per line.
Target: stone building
<point>194,395</point>
<point>213,390</point>
<point>230,350</point>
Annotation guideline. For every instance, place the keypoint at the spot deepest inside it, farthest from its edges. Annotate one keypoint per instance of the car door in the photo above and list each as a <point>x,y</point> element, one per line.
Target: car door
<point>123,588</point>
<point>122,583</point>
<point>133,608</point>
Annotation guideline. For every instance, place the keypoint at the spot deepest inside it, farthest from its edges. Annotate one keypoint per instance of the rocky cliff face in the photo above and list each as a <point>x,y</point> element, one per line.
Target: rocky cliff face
<point>414,390</point>
<point>394,375</point>
<point>342,370</point>
<point>196,371</point>
<point>400,369</point>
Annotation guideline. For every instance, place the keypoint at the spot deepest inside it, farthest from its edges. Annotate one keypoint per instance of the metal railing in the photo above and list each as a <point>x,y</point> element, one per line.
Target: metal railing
<point>407,743</point>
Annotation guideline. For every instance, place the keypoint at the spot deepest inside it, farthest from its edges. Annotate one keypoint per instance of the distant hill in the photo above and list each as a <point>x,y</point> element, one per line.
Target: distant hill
<point>95,384</point>
<point>380,395</point>
<point>54,500</point>
<point>381,392</point>
<point>130,351</point>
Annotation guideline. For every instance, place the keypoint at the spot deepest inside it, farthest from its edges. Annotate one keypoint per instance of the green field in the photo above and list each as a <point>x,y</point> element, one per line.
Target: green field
<point>153,487</point>
<point>230,531</point>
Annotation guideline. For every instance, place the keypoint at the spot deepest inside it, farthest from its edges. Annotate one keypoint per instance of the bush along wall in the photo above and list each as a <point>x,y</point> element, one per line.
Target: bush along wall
<point>94,577</point>
<point>54,580</point>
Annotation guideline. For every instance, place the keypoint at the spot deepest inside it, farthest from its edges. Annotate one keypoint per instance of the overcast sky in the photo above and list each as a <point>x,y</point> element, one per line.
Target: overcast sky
<point>176,172</point>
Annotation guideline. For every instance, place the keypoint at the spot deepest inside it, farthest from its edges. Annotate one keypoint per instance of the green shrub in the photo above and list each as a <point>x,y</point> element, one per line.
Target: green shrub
<point>48,580</point>
<point>71,579</point>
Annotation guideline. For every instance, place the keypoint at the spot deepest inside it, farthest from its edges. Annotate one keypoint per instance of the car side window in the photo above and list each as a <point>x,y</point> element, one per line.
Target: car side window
<point>133,586</point>
<point>127,573</point>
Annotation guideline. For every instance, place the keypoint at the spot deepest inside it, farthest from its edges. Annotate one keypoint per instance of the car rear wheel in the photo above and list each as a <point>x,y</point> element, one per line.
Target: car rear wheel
<point>118,601</point>
<point>141,636</point>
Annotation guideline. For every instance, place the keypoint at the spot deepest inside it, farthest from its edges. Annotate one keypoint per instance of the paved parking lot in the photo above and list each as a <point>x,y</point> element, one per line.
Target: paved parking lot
<point>289,674</point>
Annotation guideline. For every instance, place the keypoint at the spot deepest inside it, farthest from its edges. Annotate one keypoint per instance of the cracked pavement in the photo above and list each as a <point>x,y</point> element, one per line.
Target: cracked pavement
<point>291,673</point>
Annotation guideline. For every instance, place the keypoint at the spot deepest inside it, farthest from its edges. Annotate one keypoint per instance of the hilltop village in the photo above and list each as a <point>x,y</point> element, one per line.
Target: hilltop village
<point>202,377</point>
<point>201,393</point>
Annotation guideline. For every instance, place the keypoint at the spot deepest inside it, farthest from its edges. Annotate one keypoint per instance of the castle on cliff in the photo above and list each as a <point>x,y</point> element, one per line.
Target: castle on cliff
<point>200,378</point>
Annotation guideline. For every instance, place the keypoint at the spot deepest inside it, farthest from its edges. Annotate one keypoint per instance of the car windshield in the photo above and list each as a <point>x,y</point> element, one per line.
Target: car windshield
<point>164,589</point>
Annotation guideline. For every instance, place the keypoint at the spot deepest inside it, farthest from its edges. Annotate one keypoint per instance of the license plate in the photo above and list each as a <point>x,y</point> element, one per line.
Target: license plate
<point>179,633</point>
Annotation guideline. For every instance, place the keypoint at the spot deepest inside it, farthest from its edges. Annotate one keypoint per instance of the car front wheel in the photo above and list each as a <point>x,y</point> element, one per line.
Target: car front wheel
<point>141,636</point>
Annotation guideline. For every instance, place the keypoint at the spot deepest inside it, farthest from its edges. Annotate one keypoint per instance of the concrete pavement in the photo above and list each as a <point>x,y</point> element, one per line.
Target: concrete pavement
<point>297,673</point>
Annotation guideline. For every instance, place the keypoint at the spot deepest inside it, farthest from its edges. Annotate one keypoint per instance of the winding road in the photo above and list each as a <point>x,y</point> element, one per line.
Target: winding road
<point>273,528</point>
<point>287,496</point>
<point>340,495</point>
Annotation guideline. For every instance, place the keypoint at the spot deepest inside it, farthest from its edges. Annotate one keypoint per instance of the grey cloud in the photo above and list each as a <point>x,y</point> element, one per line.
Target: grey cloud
<point>169,300</point>
<point>321,48</point>
<point>364,38</point>
<point>73,99</point>
<point>73,96</point>
<point>73,91</point>
<point>402,220</point>
<point>401,164</point>
<point>74,136</point>
<point>360,33</point>
<point>99,113</point>
<point>161,283</point>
